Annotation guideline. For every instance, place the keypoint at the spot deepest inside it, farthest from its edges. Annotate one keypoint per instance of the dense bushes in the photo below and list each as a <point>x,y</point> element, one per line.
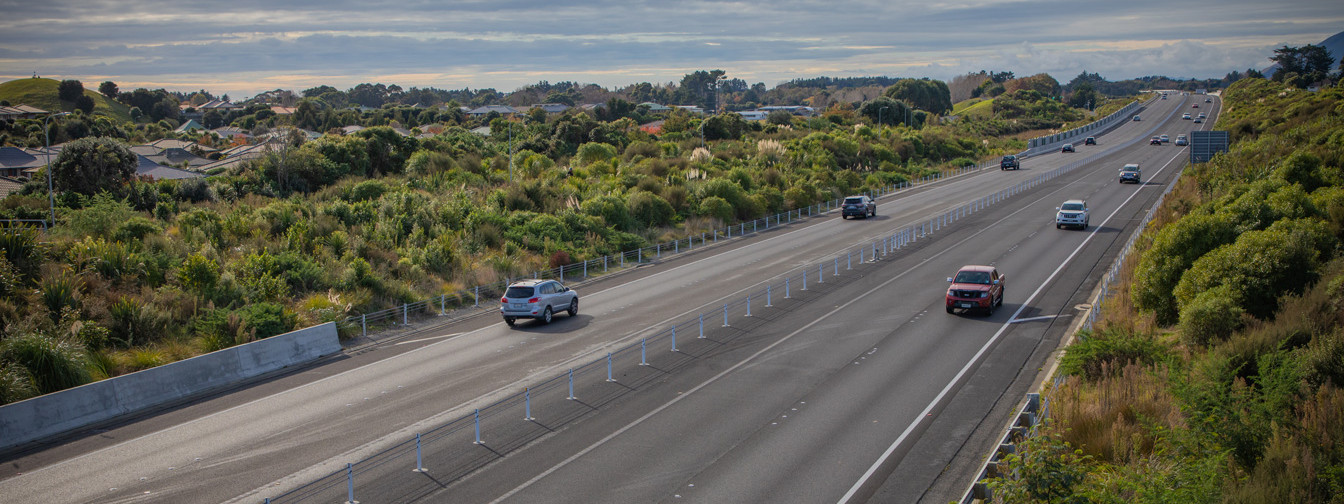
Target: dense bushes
<point>1237,397</point>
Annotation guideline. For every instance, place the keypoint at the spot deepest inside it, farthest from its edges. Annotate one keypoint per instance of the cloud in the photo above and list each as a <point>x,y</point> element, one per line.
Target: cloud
<point>246,46</point>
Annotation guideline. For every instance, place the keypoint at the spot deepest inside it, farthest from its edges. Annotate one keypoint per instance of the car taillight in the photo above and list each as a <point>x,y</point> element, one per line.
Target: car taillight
<point>504,300</point>
<point>533,300</point>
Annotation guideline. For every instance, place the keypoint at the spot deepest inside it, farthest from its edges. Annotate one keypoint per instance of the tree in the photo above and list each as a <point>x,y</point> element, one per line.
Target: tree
<point>1084,96</point>
<point>1302,66</point>
<point>91,165</point>
<point>924,94</point>
<point>212,119</point>
<point>84,103</point>
<point>108,89</point>
<point>69,90</point>
<point>884,110</point>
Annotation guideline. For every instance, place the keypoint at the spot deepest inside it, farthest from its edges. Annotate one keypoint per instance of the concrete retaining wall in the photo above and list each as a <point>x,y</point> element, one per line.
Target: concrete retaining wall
<point>78,407</point>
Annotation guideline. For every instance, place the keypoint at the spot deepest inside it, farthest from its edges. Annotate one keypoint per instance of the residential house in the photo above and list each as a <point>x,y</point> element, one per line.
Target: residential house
<point>173,143</point>
<point>190,126</point>
<point>655,108</point>
<point>231,132</point>
<point>9,186</point>
<point>503,110</point>
<point>753,115</point>
<point>690,108</point>
<point>15,162</point>
<point>147,167</point>
<point>21,112</point>
<point>552,108</point>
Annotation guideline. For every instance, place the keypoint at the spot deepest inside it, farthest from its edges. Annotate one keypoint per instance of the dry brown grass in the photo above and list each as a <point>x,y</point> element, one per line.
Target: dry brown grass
<point>1115,419</point>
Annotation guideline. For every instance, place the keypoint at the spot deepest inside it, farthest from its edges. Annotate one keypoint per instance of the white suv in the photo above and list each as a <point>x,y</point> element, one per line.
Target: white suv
<point>537,299</point>
<point>1072,213</point>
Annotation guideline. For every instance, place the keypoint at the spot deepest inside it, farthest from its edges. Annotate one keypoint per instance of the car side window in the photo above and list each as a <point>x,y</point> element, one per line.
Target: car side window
<point>545,288</point>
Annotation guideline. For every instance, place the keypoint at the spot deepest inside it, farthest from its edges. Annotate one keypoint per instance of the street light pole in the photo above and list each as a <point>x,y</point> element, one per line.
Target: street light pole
<point>879,117</point>
<point>51,193</point>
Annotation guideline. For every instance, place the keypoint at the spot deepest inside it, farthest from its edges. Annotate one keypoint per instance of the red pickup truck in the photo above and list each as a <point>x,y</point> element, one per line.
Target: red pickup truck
<point>975,288</point>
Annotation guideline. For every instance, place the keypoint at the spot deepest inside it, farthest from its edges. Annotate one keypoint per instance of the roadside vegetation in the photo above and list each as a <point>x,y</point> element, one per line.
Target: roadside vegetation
<point>139,273</point>
<point>1215,374</point>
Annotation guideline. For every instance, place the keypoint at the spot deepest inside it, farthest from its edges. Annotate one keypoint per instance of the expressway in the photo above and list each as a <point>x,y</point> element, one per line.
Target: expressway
<point>860,387</point>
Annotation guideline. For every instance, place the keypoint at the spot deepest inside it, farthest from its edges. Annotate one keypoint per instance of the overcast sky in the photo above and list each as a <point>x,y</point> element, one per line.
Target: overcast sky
<point>243,47</point>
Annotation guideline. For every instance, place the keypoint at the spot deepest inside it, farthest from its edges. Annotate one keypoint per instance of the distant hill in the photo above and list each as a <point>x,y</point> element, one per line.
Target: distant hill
<point>41,93</point>
<point>1334,44</point>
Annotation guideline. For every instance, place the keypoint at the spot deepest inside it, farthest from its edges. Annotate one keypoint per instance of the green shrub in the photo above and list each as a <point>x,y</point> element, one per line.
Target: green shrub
<point>1260,266</point>
<point>16,383</point>
<point>53,364</point>
<point>649,209</point>
<point>1096,353</point>
<point>267,319</point>
<point>717,208</point>
<point>1174,249</point>
<point>1211,317</point>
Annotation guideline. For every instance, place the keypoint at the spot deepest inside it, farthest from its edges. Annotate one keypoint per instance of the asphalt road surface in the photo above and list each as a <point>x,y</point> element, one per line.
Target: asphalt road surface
<point>860,388</point>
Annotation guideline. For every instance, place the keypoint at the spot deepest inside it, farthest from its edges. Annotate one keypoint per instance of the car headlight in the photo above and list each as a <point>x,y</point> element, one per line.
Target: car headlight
<point>984,294</point>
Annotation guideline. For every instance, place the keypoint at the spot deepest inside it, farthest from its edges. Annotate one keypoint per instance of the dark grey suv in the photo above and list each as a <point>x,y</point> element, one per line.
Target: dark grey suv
<point>858,206</point>
<point>1009,162</point>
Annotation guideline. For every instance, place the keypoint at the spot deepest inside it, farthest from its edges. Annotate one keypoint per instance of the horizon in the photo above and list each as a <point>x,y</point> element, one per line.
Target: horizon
<point>245,48</point>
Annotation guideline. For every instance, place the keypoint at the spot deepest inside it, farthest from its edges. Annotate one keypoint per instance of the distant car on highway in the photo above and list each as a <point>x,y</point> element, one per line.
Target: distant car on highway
<point>1073,213</point>
<point>975,288</point>
<point>1194,105</point>
<point>1199,120</point>
<point>1208,100</point>
<point>858,206</point>
<point>1066,148</point>
<point>1185,117</point>
<point>1165,138</point>
<point>1009,162</point>
<point>1131,173</point>
<point>1181,140</point>
<point>1090,141</point>
<point>1136,118</point>
<point>537,299</point>
<point>1155,141</point>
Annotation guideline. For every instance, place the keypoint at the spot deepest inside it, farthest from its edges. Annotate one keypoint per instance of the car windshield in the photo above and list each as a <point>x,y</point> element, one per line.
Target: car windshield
<point>1072,206</point>
<point>519,292</point>
<point>1009,158</point>
<point>973,277</point>
<point>853,201</point>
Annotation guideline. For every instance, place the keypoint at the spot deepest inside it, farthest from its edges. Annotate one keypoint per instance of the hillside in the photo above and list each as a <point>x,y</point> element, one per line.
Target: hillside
<point>1215,371</point>
<point>41,93</point>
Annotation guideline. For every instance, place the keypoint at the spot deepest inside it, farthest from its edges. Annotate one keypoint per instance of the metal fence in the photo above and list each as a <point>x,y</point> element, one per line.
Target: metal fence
<point>1037,407</point>
<point>468,301</point>
<point>428,462</point>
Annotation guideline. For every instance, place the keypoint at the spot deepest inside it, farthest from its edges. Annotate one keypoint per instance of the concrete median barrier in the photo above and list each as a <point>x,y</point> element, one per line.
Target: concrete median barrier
<point>71,409</point>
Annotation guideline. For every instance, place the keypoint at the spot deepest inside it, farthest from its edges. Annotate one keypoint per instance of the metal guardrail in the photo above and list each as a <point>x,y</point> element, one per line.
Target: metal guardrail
<point>1049,142</point>
<point>469,301</point>
<point>1033,415</point>
<point>455,448</point>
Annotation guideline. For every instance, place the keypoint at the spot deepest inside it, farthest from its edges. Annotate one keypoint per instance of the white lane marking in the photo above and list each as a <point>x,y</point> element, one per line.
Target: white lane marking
<point>427,339</point>
<point>753,356</point>
<point>1032,319</point>
<point>969,364</point>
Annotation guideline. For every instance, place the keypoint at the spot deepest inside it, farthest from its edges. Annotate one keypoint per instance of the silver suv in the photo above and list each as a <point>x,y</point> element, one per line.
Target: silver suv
<point>537,299</point>
<point>1072,213</point>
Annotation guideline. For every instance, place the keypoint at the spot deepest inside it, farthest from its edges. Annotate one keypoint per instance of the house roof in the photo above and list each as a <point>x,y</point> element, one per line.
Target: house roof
<point>218,104</point>
<point>282,110</point>
<point>502,109</point>
<point>9,186</point>
<point>230,131</point>
<point>14,157</point>
<point>173,143</point>
<point>157,171</point>
<point>552,108</point>
<point>177,157</point>
<point>654,107</point>
<point>191,124</point>
<point>145,150</point>
<point>351,129</point>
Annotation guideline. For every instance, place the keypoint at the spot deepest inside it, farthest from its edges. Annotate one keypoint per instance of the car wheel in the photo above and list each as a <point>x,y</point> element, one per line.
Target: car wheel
<point>573,307</point>
<point>843,216</point>
<point>989,312</point>
<point>951,309</point>
<point>1001,298</point>
<point>874,212</point>
<point>1057,226</point>
<point>509,321</point>
<point>546,315</point>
